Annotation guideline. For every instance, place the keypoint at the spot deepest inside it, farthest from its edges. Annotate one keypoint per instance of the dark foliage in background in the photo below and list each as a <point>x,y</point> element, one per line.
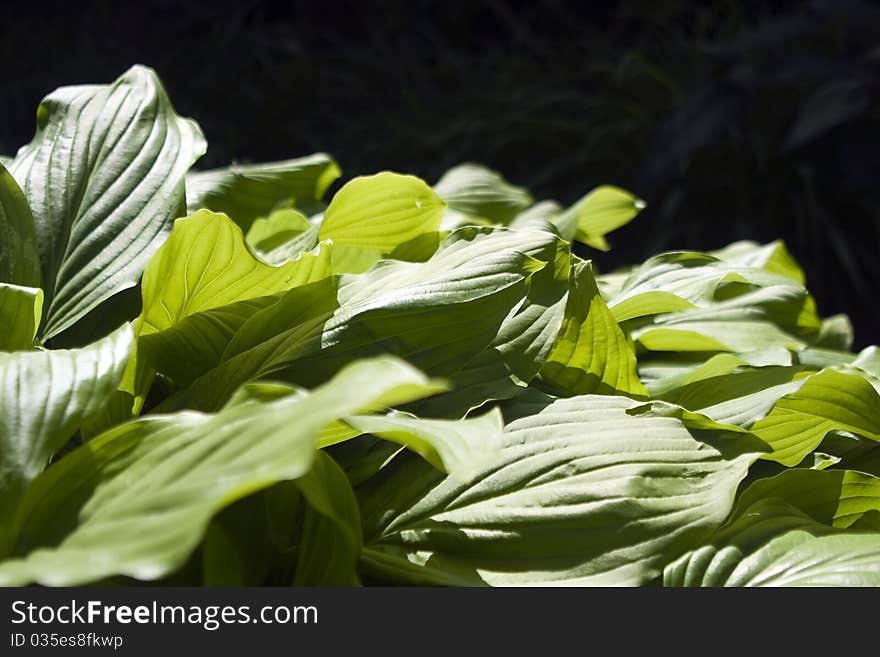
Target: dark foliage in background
<point>732,119</point>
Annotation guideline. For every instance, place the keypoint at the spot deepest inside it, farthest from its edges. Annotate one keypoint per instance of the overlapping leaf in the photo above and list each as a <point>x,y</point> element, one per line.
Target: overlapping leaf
<point>145,491</point>
<point>104,179</point>
<point>248,191</point>
<point>541,512</point>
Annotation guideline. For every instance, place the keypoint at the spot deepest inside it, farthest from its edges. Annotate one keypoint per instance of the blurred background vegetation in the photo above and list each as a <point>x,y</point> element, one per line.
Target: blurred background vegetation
<point>733,120</point>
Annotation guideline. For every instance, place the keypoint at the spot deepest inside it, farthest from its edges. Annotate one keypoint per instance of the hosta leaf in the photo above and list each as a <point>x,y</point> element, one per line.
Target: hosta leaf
<point>381,212</point>
<point>457,447</point>
<point>104,179</point>
<point>438,314</point>
<point>773,544</point>
<point>19,257</point>
<point>45,396</point>
<point>144,492</point>
<point>825,402</point>
<point>603,210</point>
<point>247,191</point>
<point>688,279</point>
<point>476,191</point>
<point>591,354</point>
<point>540,514</point>
<point>20,312</point>
<point>773,257</point>
<point>836,498</point>
<point>205,264</point>
<point>202,285</point>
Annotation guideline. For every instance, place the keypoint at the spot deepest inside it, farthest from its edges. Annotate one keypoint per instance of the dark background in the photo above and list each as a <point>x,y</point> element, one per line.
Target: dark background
<point>733,120</point>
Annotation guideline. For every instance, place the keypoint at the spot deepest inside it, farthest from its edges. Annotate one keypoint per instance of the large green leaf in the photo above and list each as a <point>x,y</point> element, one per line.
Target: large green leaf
<point>205,264</point>
<point>104,179</point>
<point>774,544</point>
<point>373,215</point>
<point>583,492</point>
<point>142,494</point>
<point>438,314</point>
<point>45,396</point>
<point>836,498</point>
<point>472,190</point>
<point>457,447</point>
<point>20,312</point>
<point>591,354</point>
<point>826,402</point>
<point>247,191</point>
<point>19,256</point>
<point>202,285</point>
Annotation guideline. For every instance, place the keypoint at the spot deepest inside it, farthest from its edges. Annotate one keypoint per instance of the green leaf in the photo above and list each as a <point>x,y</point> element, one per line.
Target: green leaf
<point>476,191</point>
<point>20,312</point>
<point>438,314</point>
<point>143,493</point>
<point>826,402</point>
<point>200,287</point>
<point>457,447</point>
<point>603,210</point>
<point>836,498</point>
<point>331,536</point>
<point>205,264</point>
<point>381,212</point>
<point>773,257</point>
<point>685,301</point>
<point>104,179</point>
<point>46,394</point>
<point>773,544</point>
<point>540,514</point>
<point>591,354</point>
<point>19,257</point>
<point>248,191</point>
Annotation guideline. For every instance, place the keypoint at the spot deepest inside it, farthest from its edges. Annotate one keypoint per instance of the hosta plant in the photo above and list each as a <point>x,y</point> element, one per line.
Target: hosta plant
<point>258,376</point>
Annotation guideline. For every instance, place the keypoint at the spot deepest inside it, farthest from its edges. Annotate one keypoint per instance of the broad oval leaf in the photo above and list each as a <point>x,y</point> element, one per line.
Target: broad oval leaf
<point>381,212</point>
<point>137,499</point>
<point>104,179</point>
<point>583,492</point>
